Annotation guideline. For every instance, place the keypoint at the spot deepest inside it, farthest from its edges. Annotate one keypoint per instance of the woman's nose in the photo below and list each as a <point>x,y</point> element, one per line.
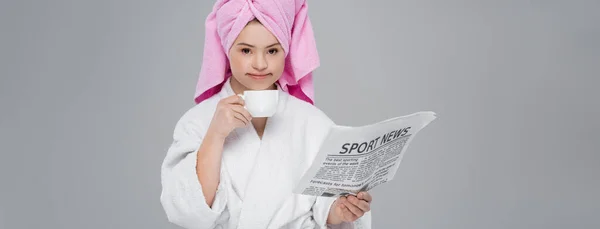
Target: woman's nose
<point>259,63</point>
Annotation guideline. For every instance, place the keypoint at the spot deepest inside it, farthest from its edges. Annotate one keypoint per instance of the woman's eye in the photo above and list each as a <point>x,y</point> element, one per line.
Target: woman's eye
<point>273,51</point>
<point>245,50</point>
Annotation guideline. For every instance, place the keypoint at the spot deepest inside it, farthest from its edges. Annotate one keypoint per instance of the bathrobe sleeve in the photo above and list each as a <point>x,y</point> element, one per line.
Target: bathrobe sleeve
<point>182,197</point>
<point>317,128</point>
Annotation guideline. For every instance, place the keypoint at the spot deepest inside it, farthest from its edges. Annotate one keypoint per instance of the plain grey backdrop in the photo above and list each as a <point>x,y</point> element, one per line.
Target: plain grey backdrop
<point>90,92</point>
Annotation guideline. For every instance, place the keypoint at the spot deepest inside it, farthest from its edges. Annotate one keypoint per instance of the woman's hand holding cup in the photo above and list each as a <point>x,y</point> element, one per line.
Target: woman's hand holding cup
<point>229,114</point>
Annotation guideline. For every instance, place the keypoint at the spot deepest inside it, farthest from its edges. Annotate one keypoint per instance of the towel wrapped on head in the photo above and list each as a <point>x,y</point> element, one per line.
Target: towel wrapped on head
<point>287,20</point>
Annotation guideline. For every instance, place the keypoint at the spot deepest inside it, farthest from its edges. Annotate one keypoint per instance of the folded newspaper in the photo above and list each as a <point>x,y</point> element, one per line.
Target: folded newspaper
<point>354,159</point>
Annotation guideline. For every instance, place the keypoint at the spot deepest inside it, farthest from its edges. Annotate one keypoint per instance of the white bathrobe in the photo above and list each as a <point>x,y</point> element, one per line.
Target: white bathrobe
<point>257,176</point>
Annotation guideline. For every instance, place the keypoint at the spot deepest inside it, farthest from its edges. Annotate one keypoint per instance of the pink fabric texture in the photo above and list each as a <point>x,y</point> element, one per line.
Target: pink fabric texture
<point>287,19</point>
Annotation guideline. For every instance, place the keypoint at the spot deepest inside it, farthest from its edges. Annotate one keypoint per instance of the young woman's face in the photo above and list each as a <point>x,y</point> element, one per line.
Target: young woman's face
<point>256,58</point>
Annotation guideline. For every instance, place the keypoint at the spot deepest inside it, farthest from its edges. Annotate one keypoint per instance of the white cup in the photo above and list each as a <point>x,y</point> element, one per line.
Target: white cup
<point>261,103</point>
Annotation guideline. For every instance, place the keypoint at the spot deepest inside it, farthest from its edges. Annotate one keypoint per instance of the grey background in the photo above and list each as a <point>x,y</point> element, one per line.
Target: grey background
<point>90,92</point>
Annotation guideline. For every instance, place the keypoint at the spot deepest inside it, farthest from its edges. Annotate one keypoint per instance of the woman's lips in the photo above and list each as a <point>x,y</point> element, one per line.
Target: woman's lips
<point>258,76</point>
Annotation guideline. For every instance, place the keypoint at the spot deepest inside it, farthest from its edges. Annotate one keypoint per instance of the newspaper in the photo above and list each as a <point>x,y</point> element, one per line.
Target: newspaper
<point>354,159</point>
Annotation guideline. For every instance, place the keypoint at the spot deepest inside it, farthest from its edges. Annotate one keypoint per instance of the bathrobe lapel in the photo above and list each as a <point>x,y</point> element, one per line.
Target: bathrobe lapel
<point>257,168</point>
<point>268,185</point>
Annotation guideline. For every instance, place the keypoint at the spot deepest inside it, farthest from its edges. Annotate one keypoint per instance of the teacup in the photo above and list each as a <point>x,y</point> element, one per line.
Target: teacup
<point>261,103</point>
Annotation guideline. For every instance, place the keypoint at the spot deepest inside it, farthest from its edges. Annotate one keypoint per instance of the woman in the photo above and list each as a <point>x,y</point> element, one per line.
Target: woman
<point>226,169</point>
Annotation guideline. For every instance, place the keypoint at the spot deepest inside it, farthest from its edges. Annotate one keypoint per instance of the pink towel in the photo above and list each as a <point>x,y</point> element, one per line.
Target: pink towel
<point>286,19</point>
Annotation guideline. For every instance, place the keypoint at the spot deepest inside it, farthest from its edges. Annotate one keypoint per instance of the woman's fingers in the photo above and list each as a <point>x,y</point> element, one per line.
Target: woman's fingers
<point>362,204</point>
<point>234,99</point>
<point>242,111</point>
<point>347,214</point>
<point>365,196</point>
<point>356,211</point>
<point>240,118</point>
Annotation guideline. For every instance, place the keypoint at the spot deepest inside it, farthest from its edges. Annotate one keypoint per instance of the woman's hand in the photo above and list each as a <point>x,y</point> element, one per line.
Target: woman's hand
<point>230,114</point>
<point>349,208</point>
